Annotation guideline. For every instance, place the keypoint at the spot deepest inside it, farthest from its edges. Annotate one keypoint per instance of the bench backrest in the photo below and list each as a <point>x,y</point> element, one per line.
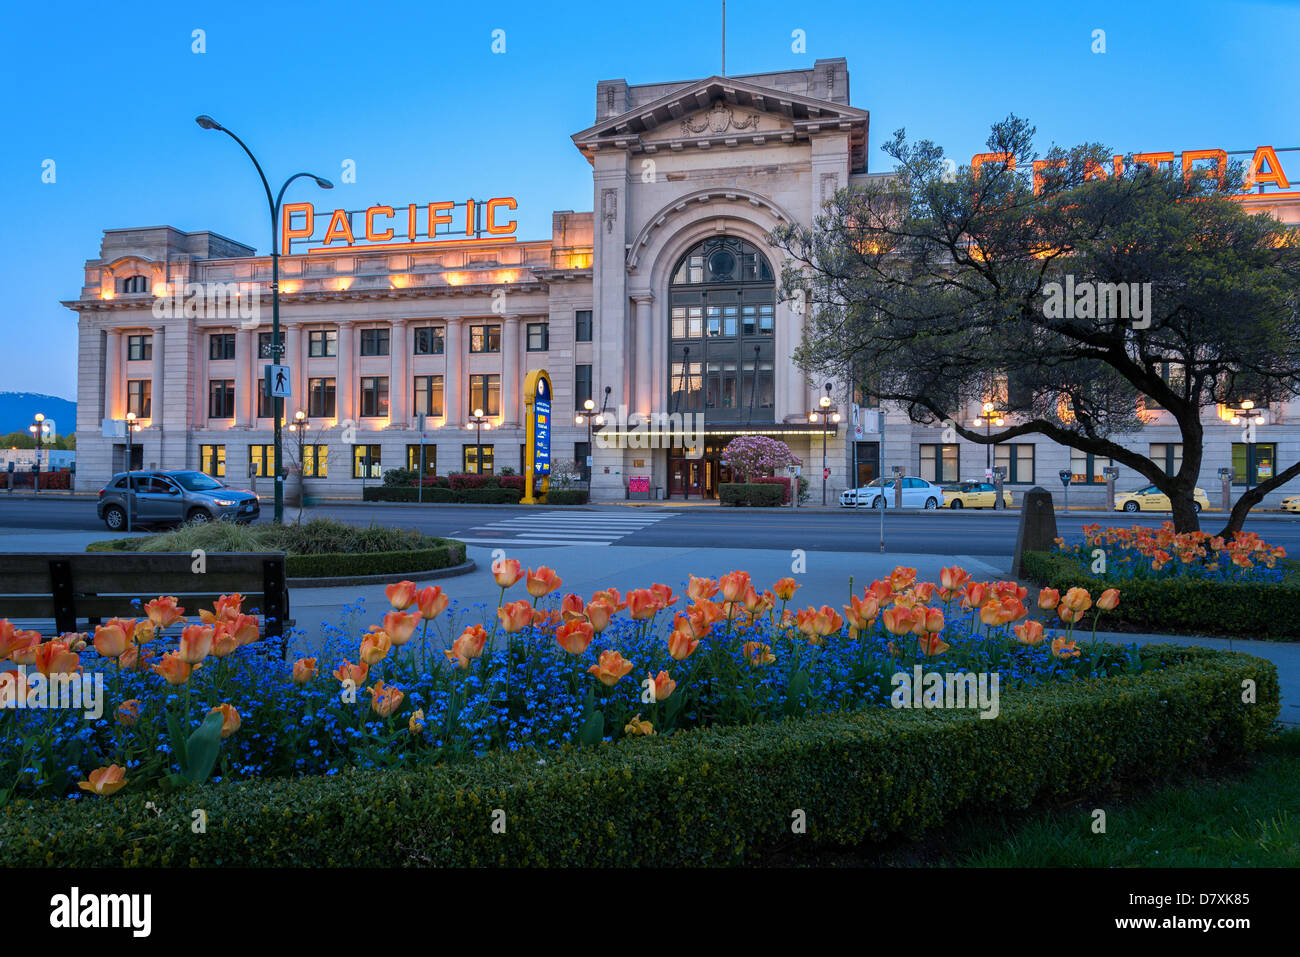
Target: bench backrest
<point>93,586</point>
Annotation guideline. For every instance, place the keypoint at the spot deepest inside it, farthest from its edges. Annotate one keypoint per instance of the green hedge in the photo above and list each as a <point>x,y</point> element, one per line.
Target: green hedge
<point>754,494</point>
<point>464,496</point>
<point>711,796</point>
<point>566,496</point>
<point>375,563</point>
<point>1252,609</point>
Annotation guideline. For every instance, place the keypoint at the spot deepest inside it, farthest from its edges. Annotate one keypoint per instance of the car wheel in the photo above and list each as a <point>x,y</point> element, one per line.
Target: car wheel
<point>878,502</point>
<point>197,515</point>
<point>1132,506</point>
<point>1196,506</point>
<point>956,503</point>
<point>114,518</point>
<point>931,502</point>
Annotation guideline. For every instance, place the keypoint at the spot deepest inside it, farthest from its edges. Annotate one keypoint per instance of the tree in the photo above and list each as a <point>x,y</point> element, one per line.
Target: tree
<point>1078,299</point>
<point>751,456</point>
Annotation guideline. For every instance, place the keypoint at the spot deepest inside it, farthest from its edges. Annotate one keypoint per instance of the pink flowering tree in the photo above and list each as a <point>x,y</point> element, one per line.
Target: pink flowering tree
<point>754,456</point>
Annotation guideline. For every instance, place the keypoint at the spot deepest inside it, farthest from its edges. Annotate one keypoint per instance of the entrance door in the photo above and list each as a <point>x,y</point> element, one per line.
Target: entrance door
<point>868,455</point>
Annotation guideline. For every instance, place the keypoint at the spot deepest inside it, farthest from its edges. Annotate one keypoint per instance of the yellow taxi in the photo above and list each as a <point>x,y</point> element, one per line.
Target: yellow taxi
<point>1291,503</point>
<point>974,495</point>
<point>1151,499</point>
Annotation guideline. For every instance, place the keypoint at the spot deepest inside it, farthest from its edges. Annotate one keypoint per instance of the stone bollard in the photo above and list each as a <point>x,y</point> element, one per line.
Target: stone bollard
<point>1037,531</point>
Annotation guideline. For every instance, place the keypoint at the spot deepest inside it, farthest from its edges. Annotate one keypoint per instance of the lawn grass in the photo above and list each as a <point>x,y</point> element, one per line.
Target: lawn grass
<point>1248,816</point>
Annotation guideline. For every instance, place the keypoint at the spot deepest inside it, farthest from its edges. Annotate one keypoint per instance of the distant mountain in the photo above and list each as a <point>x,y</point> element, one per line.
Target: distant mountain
<point>18,409</point>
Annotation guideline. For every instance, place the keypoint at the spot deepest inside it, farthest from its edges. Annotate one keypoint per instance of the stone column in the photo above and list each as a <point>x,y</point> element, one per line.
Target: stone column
<point>243,387</point>
<point>343,388</point>
<point>510,400</point>
<point>399,383</point>
<point>292,359</point>
<point>643,354</point>
<point>454,389</point>
<point>157,385</point>
<point>199,393</point>
<point>113,389</point>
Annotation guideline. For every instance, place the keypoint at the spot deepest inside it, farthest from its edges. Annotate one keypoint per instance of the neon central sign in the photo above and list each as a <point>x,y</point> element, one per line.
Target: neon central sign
<point>415,226</point>
<point>1263,169</point>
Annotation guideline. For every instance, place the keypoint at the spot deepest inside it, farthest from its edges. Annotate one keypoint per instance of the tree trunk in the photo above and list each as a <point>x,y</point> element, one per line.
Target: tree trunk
<point>1185,516</point>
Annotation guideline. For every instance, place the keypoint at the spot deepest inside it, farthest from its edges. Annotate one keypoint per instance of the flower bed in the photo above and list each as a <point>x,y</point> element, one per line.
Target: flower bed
<point>1181,583</point>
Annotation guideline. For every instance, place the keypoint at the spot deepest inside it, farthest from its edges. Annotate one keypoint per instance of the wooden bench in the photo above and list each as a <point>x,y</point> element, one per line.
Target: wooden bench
<point>92,586</point>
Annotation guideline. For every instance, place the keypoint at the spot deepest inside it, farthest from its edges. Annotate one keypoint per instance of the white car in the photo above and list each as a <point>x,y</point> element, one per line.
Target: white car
<point>917,493</point>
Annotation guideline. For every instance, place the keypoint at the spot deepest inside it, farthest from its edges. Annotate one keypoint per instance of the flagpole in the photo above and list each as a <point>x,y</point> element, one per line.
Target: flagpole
<point>724,38</point>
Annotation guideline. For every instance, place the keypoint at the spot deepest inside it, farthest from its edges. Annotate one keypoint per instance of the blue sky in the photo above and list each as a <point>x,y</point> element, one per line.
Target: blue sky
<point>413,93</point>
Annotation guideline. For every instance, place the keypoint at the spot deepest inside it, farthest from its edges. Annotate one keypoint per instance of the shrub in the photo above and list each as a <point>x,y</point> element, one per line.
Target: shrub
<point>401,477</point>
<point>753,494</point>
<point>710,796</point>
<point>783,481</point>
<point>566,496</point>
<point>376,563</point>
<point>1256,609</point>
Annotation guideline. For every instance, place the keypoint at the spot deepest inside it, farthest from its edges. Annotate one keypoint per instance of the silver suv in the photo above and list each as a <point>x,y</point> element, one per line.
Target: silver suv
<point>173,497</point>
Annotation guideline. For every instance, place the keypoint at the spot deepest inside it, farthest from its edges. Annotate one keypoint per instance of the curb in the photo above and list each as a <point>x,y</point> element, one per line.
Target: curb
<point>465,568</point>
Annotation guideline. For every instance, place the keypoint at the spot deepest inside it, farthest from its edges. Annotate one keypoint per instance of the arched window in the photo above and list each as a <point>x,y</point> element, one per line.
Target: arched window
<point>135,284</point>
<point>722,306</point>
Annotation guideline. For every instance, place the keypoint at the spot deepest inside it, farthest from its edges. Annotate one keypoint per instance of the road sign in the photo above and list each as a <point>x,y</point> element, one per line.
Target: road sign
<point>826,473</point>
<point>278,384</point>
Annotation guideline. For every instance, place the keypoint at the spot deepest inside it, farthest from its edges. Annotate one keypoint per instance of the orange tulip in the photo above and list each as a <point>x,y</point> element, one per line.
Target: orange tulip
<point>897,621</point>
<point>610,668</point>
<point>1029,632</point>
<point>432,602</point>
<point>599,614</point>
<point>401,595</point>
<point>927,621</point>
<point>105,781</point>
<point>682,641</point>
<point>415,724</point>
<point>226,608</point>
<point>661,686</point>
<point>304,670</point>
<point>572,608</point>
<point>1013,609</point>
<point>636,726</point>
<point>350,672</point>
<point>757,653</point>
<point>704,614</point>
<point>400,626</point>
<point>507,571</point>
<point>931,645</point>
<point>827,621</point>
<point>164,611</point>
<point>134,658</point>
<point>1005,590</point>
<point>924,591</point>
<point>128,712</point>
<point>14,639</point>
<point>174,669</point>
<point>468,646</point>
<point>1077,600</point>
<point>663,596</point>
<point>641,604</point>
<point>785,588</point>
<point>230,720</point>
<point>110,640</point>
<point>882,588</point>
<point>244,629</point>
<point>991,612</point>
<point>55,658</point>
<point>542,581</point>
<point>974,595</point>
<point>515,616</point>
<point>1109,599</point>
<point>384,701</point>
<point>860,613</point>
<point>701,589</point>
<point>611,597</point>
<point>733,585</point>
<point>545,619</point>
<point>375,646</point>
<point>574,636</point>
<point>1064,649</point>
<point>952,580</point>
<point>195,643</point>
<point>1066,615</point>
<point>224,642</point>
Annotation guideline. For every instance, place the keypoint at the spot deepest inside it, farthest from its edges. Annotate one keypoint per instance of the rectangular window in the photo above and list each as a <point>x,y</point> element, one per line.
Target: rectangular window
<point>374,342</point>
<point>485,394</point>
<point>430,458</point>
<point>428,395</point>
<point>264,345</point>
<point>581,452</point>
<point>940,463</point>
<point>757,384</point>
<point>1017,462</point>
<point>428,341</point>
<point>265,404</point>
<point>315,461</point>
<point>221,345</point>
<point>471,459</point>
<point>320,398</point>
<point>1167,455</point>
<point>484,338</point>
<point>212,460</point>
<point>582,325</point>
<point>139,348</point>
<point>720,384</point>
<point>221,398</point>
<point>262,459</point>
<point>581,385</point>
<point>139,397</point>
<point>688,322</point>
<point>686,388</point>
<point>1086,468</point>
<point>322,343</point>
<point>374,396</point>
<point>539,336</point>
<point>366,462</point>
<point>1253,462</point>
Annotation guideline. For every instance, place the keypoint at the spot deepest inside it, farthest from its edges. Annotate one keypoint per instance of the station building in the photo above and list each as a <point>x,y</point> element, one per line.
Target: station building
<point>400,322</point>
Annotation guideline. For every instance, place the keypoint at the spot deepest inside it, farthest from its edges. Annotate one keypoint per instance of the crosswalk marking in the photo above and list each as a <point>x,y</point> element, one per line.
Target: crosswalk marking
<point>562,528</point>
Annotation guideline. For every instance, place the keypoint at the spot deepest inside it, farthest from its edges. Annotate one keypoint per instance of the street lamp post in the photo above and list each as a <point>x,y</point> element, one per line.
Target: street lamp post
<point>478,421</point>
<point>39,429</point>
<point>989,419</point>
<point>131,426</point>
<point>1248,416</point>
<point>299,427</point>
<point>590,417</point>
<point>277,350</point>
<point>826,417</point>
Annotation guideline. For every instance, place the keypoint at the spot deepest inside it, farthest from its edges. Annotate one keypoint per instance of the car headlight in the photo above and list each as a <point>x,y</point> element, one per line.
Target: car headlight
<point>224,501</point>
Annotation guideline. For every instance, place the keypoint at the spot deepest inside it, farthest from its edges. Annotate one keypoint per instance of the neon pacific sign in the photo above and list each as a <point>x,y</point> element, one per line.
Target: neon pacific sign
<point>388,228</point>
